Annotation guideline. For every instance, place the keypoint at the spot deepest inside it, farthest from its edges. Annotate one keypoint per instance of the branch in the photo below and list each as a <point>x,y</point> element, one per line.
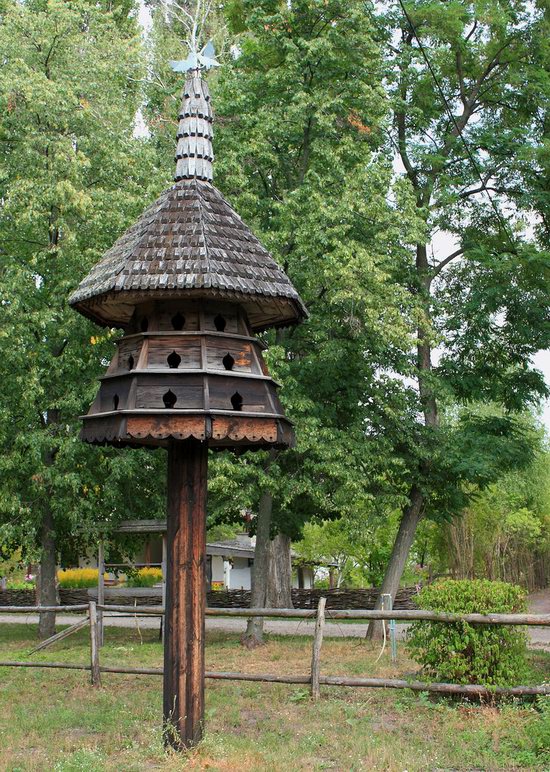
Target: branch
<point>481,189</point>
<point>441,265</point>
<point>471,32</point>
<point>460,75</point>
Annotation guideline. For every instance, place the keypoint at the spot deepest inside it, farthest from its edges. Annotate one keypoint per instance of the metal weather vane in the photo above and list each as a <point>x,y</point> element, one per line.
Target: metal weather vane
<point>197,59</point>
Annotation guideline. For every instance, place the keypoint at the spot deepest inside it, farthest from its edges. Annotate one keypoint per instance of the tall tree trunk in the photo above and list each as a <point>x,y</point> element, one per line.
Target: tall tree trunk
<point>47,579</point>
<point>412,513</point>
<point>254,635</point>
<point>48,559</point>
<point>403,542</point>
<point>279,578</point>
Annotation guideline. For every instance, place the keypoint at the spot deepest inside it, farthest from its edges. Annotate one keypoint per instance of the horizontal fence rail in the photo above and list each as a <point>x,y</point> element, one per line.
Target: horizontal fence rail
<point>537,620</point>
<point>39,609</point>
<point>379,683</point>
<point>314,679</point>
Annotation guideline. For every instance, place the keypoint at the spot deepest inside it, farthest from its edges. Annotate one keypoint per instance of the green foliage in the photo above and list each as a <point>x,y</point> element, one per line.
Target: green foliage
<point>356,545</point>
<point>462,653</point>
<point>504,531</point>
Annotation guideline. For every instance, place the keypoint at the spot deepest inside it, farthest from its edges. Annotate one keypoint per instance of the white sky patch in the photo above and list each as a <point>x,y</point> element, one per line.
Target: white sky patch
<point>145,18</point>
<point>141,130</point>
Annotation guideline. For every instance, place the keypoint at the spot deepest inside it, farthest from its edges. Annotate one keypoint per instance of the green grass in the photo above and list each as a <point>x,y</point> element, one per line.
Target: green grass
<point>53,719</point>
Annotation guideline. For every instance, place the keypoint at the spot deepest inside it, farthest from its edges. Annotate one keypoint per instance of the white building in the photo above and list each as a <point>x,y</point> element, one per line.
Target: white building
<point>230,562</point>
<point>228,565</point>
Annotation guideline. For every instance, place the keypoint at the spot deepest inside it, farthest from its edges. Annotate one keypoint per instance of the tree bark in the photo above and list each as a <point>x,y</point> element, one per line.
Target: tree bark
<point>414,509</point>
<point>47,582</point>
<point>254,635</point>
<point>279,578</point>
<point>403,542</point>
<point>47,574</point>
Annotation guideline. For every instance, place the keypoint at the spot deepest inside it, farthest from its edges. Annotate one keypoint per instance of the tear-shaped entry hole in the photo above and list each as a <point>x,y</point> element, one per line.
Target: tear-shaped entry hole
<point>131,362</point>
<point>228,361</point>
<point>116,400</point>
<point>169,399</point>
<point>219,323</point>
<point>144,324</point>
<point>178,321</point>
<point>237,401</point>
<point>173,360</point>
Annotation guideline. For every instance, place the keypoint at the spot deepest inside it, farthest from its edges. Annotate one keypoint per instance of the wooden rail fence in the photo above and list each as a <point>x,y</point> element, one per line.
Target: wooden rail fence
<point>314,679</point>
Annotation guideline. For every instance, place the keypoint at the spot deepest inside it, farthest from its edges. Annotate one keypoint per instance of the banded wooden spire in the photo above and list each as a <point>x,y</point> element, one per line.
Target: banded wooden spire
<point>194,153</point>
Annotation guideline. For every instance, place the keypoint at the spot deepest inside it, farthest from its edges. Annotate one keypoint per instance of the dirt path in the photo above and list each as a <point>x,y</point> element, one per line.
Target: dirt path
<point>539,603</point>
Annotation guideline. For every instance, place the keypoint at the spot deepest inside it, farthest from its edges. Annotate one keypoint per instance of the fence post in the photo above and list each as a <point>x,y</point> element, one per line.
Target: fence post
<point>100,589</point>
<point>387,605</point>
<point>94,644</point>
<point>316,653</point>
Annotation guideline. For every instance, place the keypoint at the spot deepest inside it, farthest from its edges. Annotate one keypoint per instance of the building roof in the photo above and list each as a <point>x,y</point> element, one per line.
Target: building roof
<point>238,547</point>
<point>231,548</point>
<point>190,243</point>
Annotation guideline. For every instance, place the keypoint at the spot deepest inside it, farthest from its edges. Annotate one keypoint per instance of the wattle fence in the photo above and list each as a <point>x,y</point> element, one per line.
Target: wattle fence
<point>301,599</point>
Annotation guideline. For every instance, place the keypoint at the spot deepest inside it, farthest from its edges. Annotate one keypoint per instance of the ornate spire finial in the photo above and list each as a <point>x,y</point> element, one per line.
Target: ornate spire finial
<point>194,153</point>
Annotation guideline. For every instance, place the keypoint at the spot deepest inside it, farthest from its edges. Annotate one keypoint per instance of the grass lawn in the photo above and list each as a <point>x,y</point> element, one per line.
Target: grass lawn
<point>53,719</point>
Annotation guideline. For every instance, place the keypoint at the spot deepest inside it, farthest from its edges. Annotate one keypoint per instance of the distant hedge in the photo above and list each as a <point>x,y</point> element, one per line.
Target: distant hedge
<point>462,653</point>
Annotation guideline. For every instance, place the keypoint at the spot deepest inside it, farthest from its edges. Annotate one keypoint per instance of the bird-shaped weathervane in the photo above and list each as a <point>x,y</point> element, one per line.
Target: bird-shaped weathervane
<point>197,59</point>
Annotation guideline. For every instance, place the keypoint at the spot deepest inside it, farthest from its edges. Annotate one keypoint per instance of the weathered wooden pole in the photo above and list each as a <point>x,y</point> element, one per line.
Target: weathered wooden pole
<point>95,672</point>
<point>185,594</point>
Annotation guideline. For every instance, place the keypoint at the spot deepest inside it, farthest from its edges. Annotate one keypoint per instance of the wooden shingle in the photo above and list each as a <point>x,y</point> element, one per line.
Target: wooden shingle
<point>190,239</point>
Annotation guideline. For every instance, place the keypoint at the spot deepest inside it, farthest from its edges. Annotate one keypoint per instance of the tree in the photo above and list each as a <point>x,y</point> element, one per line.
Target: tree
<point>504,533</point>
<point>302,109</point>
<point>461,128</point>
<point>72,177</point>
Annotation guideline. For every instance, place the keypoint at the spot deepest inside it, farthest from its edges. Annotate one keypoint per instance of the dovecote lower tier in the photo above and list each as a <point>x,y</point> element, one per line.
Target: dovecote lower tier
<point>188,370</point>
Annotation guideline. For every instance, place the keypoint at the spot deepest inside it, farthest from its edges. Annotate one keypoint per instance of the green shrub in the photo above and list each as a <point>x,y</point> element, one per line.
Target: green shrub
<point>492,655</point>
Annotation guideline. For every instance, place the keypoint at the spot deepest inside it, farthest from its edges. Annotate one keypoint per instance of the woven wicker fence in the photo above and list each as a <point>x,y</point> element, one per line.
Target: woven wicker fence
<point>304,599</point>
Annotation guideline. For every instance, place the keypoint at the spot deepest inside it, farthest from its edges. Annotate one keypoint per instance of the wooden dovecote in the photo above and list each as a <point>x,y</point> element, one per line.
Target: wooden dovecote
<point>190,284</point>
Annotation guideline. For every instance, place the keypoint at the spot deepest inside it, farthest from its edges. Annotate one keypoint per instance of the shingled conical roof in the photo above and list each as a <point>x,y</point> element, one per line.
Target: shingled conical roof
<point>190,243</point>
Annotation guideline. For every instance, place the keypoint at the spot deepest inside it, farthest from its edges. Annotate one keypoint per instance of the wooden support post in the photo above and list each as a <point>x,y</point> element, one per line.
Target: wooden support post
<point>94,644</point>
<point>100,589</point>
<point>164,563</point>
<point>185,594</point>
<point>316,653</point>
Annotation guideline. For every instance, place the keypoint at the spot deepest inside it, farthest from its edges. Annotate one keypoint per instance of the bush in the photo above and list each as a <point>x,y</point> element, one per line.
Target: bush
<point>145,577</point>
<point>78,578</point>
<point>492,655</point>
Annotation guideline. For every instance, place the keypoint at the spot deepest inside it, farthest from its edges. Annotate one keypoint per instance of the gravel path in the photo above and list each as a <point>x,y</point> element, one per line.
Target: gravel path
<point>225,624</point>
